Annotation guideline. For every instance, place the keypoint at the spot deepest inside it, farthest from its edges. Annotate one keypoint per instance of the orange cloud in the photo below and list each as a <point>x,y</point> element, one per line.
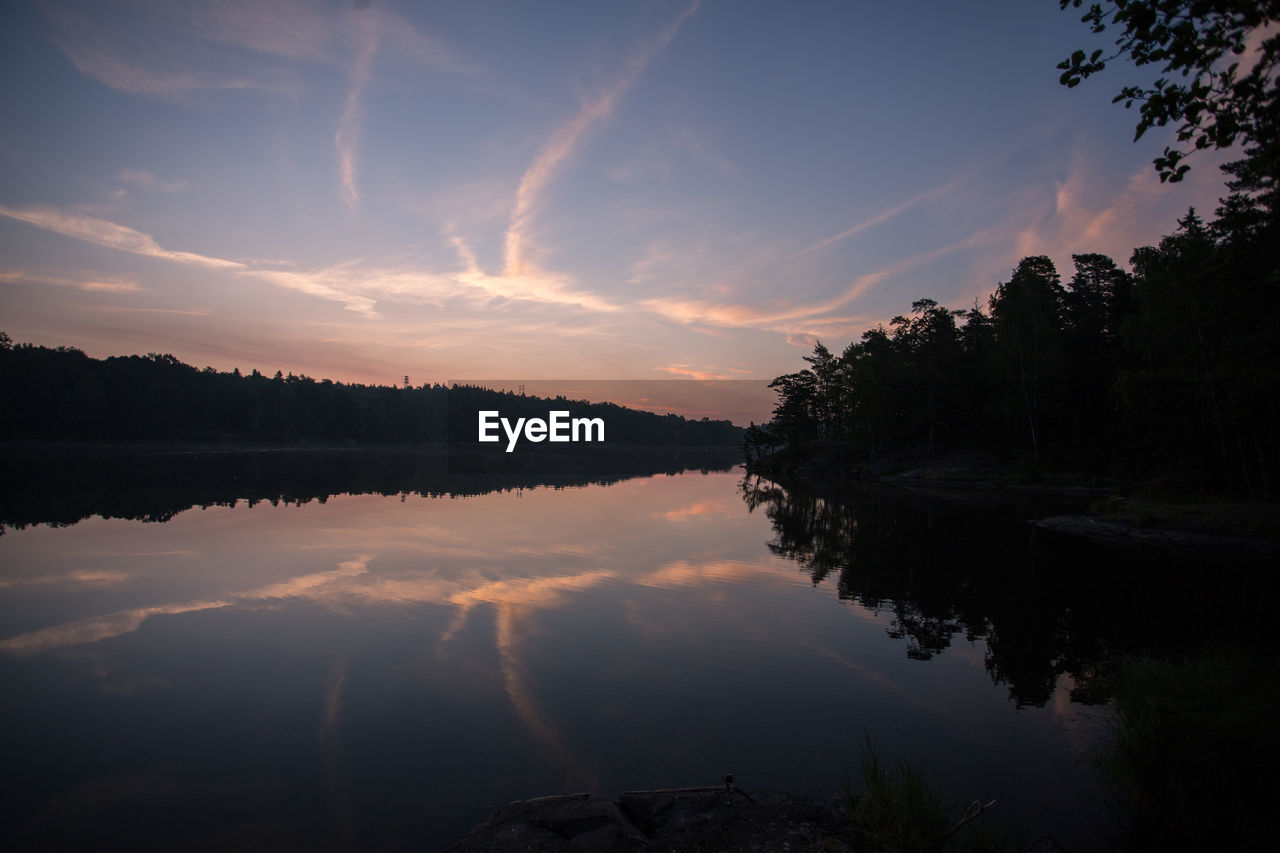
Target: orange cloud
<point>682,573</point>
<point>694,510</point>
<point>704,374</point>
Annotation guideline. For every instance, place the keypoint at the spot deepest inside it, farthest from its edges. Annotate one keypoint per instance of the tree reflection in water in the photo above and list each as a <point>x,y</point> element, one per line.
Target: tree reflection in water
<point>1044,606</point>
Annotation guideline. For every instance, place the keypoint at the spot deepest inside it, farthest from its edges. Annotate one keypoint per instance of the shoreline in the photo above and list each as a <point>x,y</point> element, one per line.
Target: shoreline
<point>724,818</point>
<point>1215,526</point>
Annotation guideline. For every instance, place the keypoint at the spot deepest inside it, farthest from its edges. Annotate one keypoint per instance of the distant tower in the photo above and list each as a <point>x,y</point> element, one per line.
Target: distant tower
<point>406,381</point>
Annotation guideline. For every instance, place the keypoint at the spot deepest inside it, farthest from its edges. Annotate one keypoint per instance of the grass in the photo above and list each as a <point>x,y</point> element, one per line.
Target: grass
<point>1190,761</point>
<point>1192,750</point>
<point>899,811</point>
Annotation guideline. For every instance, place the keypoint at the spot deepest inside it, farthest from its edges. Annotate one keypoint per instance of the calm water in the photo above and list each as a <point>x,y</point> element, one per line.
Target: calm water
<point>378,671</point>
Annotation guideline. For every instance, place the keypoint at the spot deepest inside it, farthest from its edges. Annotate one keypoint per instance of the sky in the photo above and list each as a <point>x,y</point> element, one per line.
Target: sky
<point>580,190</point>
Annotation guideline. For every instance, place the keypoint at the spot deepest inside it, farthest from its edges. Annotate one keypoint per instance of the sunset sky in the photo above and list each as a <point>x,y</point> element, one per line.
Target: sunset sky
<point>626,190</point>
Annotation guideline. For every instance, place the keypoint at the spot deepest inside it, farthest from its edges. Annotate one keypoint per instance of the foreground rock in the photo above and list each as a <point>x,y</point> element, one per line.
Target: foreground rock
<point>683,819</point>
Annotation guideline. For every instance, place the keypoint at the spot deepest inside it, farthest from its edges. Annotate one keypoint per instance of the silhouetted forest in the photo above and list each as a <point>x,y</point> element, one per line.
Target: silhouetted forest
<point>1164,371</point>
<point>62,393</point>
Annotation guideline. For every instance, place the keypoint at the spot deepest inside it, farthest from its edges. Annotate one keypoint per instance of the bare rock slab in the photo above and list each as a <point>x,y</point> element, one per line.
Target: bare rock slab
<point>679,819</point>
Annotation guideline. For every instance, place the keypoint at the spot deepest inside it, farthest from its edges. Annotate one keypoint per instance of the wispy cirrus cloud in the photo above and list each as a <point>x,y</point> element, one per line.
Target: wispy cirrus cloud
<point>515,601</point>
<point>725,314</point>
<point>156,53</point>
<point>80,577</point>
<point>814,318</point>
<point>657,161</point>
<point>92,282</point>
<point>566,138</point>
<point>162,49</point>
<point>991,236</point>
<point>684,573</point>
<point>103,232</point>
<point>356,285</point>
<point>145,179</point>
<point>360,36</point>
<point>359,285</point>
<point>289,29</point>
<point>346,136</point>
<point>334,287</point>
<point>170,52</point>
<point>1085,214</point>
<point>884,216</point>
<point>528,282</point>
<point>783,318</point>
<point>522,278</point>
<point>98,628</point>
<point>135,309</point>
<point>165,81</point>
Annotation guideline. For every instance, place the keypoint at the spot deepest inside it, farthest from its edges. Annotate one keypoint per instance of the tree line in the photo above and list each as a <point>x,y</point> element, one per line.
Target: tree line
<point>1165,370</point>
<point>63,394</point>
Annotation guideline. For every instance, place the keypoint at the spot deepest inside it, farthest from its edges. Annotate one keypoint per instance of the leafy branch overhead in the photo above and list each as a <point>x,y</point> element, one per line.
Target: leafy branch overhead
<point>1210,90</point>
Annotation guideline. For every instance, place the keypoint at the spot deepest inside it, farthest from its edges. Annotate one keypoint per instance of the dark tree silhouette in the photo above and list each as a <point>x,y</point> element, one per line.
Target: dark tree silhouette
<point>1167,372</point>
<point>64,394</point>
<point>1204,90</point>
<point>1028,312</point>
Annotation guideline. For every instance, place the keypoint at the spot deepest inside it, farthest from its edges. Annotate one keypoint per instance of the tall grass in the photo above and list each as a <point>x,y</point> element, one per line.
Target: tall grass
<point>898,811</point>
<point>1192,752</point>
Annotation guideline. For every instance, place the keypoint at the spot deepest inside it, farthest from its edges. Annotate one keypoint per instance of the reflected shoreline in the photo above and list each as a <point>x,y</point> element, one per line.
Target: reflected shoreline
<point>971,567</point>
<point>62,483</point>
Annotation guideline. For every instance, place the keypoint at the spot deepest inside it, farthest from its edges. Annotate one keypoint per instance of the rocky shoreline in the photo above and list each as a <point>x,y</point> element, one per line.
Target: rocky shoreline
<point>1104,530</point>
<point>1221,529</point>
<point>724,818</point>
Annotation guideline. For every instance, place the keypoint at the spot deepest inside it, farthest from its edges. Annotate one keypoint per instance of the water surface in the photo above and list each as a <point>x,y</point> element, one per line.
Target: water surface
<point>378,671</point>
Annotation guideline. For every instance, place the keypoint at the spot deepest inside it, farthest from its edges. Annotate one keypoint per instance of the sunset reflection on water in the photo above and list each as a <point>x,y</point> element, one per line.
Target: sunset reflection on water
<point>401,664</point>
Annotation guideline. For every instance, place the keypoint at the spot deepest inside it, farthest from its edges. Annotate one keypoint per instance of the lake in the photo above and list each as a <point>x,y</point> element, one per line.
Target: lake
<point>379,669</point>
